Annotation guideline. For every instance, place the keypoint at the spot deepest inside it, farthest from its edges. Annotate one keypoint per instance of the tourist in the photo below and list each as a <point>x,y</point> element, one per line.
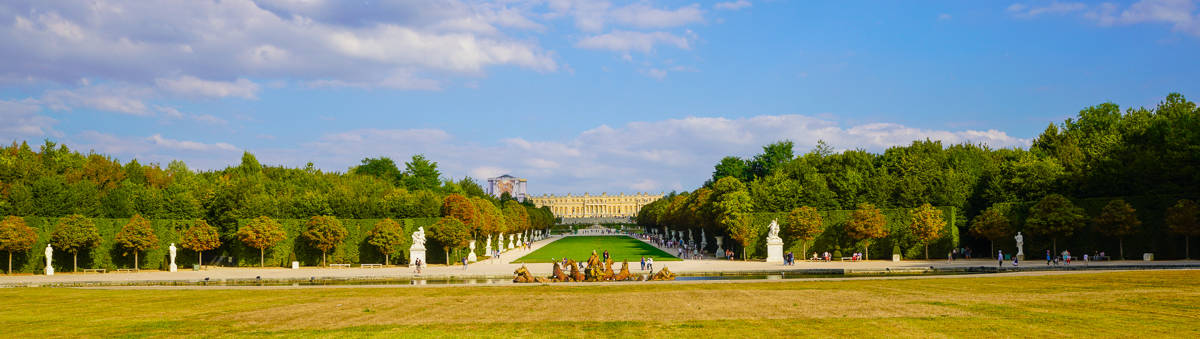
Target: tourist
<point>417,265</point>
<point>1049,258</point>
<point>1085,259</point>
<point>968,253</point>
<point>950,258</point>
<point>1015,262</point>
<point>464,261</point>
<point>643,263</point>
<point>605,254</point>
<point>650,264</point>
<point>1067,257</point>
<point>1000,258</point>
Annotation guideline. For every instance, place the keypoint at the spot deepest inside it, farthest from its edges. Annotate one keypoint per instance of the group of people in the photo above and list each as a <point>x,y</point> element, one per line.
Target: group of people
<point>821,257</point>
<point>647,263</point>
<point>789,258</point>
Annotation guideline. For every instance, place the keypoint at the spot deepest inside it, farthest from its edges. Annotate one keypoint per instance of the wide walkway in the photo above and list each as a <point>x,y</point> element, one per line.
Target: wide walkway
<point>503,268</point>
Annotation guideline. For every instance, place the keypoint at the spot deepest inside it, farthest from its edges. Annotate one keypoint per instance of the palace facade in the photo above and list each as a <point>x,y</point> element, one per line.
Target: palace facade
<point>619,206</point>
<point>514,186</point>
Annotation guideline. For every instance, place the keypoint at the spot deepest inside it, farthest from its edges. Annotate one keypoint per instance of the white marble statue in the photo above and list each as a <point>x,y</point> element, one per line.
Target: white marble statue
<point>511,238</point>
<point>500,243</point>
<point>49,258</point>
<point>1020,245</point>
<point>418,238</point>
<point>690,239</point>
<point>487,247</point>
<point>703,239</point>
<point>720,251</point>
<point>171,249</point>
<point>471,257</point>
<point>774,244</point>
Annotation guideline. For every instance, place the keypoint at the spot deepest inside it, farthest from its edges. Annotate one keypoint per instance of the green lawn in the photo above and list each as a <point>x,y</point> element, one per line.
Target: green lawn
<point>1135,304</point>
<point>580,248</point>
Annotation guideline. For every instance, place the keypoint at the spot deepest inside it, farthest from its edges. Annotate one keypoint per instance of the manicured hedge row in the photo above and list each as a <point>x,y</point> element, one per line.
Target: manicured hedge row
<point>232,252</point>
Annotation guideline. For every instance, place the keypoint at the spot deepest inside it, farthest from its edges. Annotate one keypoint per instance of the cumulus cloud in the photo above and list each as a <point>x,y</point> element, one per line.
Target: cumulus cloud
<point>634,157</point>
<point>644,16</point>
<point>185,145</point>
<point>624,41</point>
<point>111,98</point>
<point>157,149</point>
<point>732,5</point>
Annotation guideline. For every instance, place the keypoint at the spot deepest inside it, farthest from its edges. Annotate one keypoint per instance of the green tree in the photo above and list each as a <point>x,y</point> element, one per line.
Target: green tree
<point>1184,219</point>
<point>803,224</point>
<point>927,225</point>
<point>1118,219</point>
<point>15,236</point>
<point>731,167</point>
<point>324,232</point>
<point>421,174</point>
<point>200,237</point>
<point>75,233</point>
<point>136,236</point>
<point>734,216</point>
<point>866,224</point>
<point>992,224</point>
<point>451,233</point>
<point>388,237</point>
<point>1054,216</point>
<point>773,156</point>
<point>383,168</point>
<point>261,233</point>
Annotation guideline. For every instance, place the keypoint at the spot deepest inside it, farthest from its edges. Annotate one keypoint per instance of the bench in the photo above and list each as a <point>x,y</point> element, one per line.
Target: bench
<point>847,258</point>
<point>339,265</point>
<point>94,270</point>
<point>371,265</point>
<point>127,270</point>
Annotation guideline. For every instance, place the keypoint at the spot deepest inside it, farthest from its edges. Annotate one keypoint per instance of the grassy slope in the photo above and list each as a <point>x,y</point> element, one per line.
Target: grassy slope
<point>580,248</point>
<point>1114,304</point>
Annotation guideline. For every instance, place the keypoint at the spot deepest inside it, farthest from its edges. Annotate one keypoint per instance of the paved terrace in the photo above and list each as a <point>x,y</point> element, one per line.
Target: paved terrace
<point>502,268</point>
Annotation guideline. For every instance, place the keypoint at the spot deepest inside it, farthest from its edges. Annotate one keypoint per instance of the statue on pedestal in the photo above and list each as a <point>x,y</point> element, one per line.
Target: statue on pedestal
<point>416,252</point>
<point>487,248</point>
<point>720,251</point>
<point>471,257</point>
<point>1020,245</point>
<point>49,258</point>
<point>774,244</point>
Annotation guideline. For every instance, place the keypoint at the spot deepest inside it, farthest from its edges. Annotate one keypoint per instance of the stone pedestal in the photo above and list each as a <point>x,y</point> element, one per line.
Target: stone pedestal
<point>174,268</point>
<point>1147,256</point>
<point>895,258</point>
<point>720,251</point>
<point>295,265</point>
<point>510,242</point>
<point>471,257</point>
<point>415,253</point>
<point>775,251</point>
<point>49,270</point>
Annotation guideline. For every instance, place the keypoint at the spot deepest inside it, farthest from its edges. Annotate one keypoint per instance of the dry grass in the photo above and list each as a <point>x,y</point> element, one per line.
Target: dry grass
<point>1116,304</point>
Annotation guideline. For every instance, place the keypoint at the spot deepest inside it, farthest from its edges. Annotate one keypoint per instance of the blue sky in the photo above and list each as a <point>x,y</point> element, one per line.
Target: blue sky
<point>595,96</point>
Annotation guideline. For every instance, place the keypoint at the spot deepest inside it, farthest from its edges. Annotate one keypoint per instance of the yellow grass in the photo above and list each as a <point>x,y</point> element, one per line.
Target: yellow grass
<point>1114,304</point>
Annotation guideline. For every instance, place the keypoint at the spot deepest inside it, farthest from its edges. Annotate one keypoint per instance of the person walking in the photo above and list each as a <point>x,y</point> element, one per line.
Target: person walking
<point>417,266</point>
<point>464,261</point>
<point>650,264</point>
<point>999,258</point>
<point>643,263</point>
<point>1049,258</point>
<point>950,258</point>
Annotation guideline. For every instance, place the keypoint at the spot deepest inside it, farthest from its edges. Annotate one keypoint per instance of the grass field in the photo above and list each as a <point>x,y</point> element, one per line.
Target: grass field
<point>1145,304</point>
<point>580,248</point>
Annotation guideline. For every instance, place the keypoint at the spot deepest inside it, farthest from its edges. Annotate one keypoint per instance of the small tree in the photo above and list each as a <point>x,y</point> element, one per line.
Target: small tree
<point>200,237</point>
<point>927,225</point>
<point>261,233</point>
<point>75,233</point>
<point>1184,219</point>
<point>15,236</point>
<point>992,225</point>
<point>324,232</point>
<point>1054,216</point>
<point>866,224</point>
<point>388,237</point>
<point>1118,220</point>
<point>452,233</point>
<point>136,236</point>
<point>803,224</point>
<point>734,215</point>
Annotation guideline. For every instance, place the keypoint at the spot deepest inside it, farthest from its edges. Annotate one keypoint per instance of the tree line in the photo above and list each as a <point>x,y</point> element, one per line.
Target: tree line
<point>1096,179</point>
<point>57,182</point>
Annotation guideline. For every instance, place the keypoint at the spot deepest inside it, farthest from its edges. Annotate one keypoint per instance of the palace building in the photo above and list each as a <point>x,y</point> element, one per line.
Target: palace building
<point>514,186</point>
<point>604,207</point>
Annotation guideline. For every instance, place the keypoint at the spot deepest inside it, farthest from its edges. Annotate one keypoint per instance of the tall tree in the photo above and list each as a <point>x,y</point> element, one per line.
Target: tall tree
<point>731,167</point>
<point>451,233</point>
<point>382,167</point>
<point>1054,216</point>
<point>927,225</point>
<point>15,236</point>
<point>992,224</point>
<point>388,237</point>
<point>1118,219</point>
<point>734,215</point>
<point>75,233</point>
<point>136,236</point>
<point>803,224</point>
<point>459,207</point>
<point>324,232</point>
<point>421,174</point>
<point>773,156</point>
<point>200,237</point>
<point>261,233</point>
<point>1184,219</point>
<point>866,224</point>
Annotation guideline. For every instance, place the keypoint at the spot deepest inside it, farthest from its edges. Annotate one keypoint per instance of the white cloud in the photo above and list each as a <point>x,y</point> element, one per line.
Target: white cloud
<point>732,5</point>
<point>624,41</point>
<point>638,156</point>
<point>193,86</point>
<point>19,119</point>
<point>110,98</point>
<point>1181,15</point>
<point>643,16</point>
<point>185,145</point>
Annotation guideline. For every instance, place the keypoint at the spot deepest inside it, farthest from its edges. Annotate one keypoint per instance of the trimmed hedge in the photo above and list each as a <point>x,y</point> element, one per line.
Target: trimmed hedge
<point>232,252</point>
